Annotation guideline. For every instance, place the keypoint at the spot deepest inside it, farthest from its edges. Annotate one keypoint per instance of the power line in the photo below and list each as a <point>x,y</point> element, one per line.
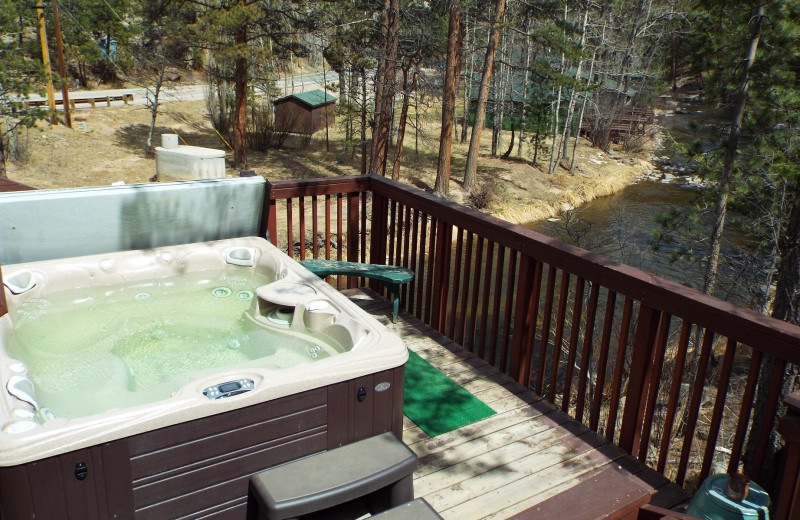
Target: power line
<point>91,39</point>
<point>113,11</point>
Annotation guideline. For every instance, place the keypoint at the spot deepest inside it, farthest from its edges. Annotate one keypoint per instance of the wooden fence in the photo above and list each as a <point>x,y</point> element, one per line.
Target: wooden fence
<point>668,373</point>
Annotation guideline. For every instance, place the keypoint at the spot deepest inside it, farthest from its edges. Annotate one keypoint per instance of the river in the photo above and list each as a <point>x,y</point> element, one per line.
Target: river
<point>622,226</point>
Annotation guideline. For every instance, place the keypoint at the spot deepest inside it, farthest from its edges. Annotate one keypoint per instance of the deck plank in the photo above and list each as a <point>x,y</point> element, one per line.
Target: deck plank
<point>529,460</point>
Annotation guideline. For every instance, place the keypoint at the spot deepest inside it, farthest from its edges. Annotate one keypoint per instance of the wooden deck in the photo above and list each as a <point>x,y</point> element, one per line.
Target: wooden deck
<point>530,460</point>
<point>9,185</point>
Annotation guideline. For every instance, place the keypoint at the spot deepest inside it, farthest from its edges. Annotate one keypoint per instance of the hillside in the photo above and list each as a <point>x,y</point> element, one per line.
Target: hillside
<point>106,146</point>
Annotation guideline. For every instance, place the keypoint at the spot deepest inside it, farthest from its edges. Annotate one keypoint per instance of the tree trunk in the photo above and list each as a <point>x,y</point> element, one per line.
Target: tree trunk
<point>363,121</point>
<point>511,144</point>
<point>384,96</point>
<point>471,170</point>
<point>3,171</point>
<point>240,118</point>
<point>786,307</point>
<point>721,209</point>
<point>468,87</point>
<point>442,185</point>
<point>401,127</point>
<point>573,95</point>
<point>154,109</point>
<point>585,100</point>
<point>528,53</point>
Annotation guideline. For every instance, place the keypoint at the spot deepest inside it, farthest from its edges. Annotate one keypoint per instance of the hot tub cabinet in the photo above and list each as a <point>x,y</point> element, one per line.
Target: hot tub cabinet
<point>200,468</point>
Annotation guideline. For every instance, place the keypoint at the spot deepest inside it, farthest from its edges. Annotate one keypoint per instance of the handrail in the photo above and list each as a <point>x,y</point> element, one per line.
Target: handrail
<point>630,354</point>
<point>771,335</point>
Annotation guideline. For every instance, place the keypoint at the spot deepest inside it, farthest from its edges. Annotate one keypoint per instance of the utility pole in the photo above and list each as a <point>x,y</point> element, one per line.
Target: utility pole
<point>64,90</point>
<point>51,99</point>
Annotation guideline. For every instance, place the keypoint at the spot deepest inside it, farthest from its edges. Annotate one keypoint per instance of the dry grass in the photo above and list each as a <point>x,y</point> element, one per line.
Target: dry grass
<point>106,146</point>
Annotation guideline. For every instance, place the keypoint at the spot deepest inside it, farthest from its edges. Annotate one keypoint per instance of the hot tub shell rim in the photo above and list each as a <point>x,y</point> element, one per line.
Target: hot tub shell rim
<point>384,352</point>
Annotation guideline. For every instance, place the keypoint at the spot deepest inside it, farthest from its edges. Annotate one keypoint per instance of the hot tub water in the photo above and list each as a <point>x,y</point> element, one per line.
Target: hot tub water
<point>92,349</point>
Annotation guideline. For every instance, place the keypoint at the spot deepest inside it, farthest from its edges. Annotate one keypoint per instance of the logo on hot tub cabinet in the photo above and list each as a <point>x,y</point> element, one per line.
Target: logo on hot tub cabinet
<point>380,387</point>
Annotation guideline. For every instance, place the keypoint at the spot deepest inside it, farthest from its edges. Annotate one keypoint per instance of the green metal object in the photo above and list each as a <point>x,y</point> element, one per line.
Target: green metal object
<point>391,276</point>
<point>711,502</point>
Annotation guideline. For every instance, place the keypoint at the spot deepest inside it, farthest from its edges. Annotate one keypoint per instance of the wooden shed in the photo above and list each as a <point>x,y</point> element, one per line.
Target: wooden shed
<point>304,112</point>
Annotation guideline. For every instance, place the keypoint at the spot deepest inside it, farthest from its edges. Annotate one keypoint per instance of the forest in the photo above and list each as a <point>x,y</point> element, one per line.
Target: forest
<point>538,72</point>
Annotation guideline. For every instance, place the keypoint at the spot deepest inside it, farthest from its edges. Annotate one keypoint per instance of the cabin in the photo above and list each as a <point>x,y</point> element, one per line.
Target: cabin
<point>304,112</point>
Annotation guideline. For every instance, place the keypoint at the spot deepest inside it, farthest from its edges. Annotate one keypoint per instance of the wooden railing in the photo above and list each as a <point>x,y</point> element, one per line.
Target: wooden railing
<point>668,373</point>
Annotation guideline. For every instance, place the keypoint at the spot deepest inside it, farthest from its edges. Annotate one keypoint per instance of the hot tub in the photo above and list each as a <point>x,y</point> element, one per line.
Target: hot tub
<point>146,379</point>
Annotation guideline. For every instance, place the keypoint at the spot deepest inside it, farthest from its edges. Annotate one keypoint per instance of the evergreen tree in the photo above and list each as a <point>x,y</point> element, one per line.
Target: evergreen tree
<point>20,76</point>
<point>246,34</point>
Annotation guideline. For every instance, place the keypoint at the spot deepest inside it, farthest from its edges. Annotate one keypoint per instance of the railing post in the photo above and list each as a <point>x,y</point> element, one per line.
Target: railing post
<point>441,275</point>
<point>788,499</point>
<point>638,380</point>
<point>525,314</point>
<point>269,217</point>
<point>353,234</point>
<point>377,241</point>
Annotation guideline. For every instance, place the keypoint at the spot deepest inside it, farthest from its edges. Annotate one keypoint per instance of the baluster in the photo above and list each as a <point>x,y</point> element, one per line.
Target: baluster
<point>619,368</point>
<point>641,356</point>
<point>577,306</point>
<point>456,286</point>
<point>559,336</point>
<point>509,312</point>
<point>475,294</point>
<point>694,406</point>
<point>353,233</point>
<point>431,269</point>
<point>487,288</point>
<point>412,286</point>
<point>605,344</point>
<point>719,407</point>
<point>301,209</point>
<point>546,319</point>
<point>462,337</point>
<point>289,229</point>
<point>525,315</point>
<point>586,353</point>
<point>421,265</point>
<point>314,227</point>
<point>441,275</point>
<point>498,297</point>
<point>674,395</point>
<point>745,410</point>
<point>327,227</point>
<point>654,379</point>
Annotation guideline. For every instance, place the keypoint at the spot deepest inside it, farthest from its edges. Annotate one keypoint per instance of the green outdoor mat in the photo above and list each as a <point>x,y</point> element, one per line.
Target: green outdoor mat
<point>435,402</point>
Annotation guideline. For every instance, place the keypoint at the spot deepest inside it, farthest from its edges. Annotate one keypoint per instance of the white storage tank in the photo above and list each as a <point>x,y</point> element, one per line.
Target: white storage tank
<point>189,162</point>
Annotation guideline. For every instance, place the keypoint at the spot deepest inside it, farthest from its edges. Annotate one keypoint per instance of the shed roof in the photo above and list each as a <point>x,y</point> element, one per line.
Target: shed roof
<point>312,98</point>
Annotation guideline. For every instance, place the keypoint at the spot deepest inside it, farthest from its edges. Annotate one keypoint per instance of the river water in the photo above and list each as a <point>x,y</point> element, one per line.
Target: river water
<point>622,226</point>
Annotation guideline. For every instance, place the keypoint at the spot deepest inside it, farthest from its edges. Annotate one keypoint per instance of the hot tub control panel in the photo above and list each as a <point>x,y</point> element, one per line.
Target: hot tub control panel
<point>229,388</point>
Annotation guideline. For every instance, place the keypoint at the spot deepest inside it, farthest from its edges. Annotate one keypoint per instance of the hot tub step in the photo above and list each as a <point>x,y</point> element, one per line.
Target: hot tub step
<point>379,468</point>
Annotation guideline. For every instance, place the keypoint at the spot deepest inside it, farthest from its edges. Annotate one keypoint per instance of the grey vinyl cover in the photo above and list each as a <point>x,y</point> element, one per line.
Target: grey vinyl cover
<point>46,224</point>
<point>417,509</point>
<point>333,477</point>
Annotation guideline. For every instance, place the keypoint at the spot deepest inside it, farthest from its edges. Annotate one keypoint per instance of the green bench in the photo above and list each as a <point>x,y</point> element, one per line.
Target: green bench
<point>391,276</point>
